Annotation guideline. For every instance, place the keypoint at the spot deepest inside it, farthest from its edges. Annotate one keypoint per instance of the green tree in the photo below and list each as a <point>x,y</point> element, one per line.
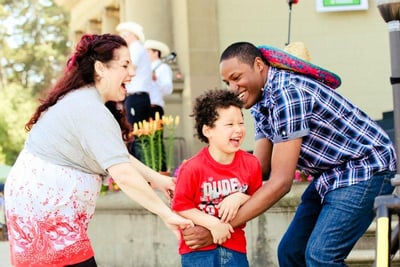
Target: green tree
<point>16,107</point>
<point>33,49</point>
<point>34,41</point>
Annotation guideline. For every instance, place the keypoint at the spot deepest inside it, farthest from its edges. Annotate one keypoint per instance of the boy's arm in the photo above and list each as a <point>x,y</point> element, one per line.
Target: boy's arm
<point>219,230</point>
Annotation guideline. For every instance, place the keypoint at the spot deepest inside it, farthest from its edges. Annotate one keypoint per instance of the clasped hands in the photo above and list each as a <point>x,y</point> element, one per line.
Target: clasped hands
<point>198,236</point>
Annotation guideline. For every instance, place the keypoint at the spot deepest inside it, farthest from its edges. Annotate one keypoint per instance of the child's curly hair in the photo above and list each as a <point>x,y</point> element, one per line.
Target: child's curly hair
<point>206,106</point>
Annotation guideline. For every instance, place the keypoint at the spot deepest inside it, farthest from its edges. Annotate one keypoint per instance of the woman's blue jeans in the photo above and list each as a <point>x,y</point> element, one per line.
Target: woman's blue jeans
<point>323,234</point>
<point>219,257</point>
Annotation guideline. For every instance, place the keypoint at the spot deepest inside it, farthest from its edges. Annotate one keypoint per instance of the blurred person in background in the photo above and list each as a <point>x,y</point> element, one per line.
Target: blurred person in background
<point>137,103</point>
<point>162,75</point>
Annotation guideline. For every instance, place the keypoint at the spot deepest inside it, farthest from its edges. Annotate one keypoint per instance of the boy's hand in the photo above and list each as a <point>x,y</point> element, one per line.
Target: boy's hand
<point>221,232</point>
<point>230,205</point>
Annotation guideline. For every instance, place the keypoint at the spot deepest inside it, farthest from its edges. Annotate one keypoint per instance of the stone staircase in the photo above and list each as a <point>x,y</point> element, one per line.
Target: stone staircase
<point>363,253</point>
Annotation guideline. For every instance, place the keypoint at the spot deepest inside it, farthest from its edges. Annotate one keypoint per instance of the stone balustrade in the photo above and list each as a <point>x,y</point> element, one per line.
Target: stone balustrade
<point>123,234</point>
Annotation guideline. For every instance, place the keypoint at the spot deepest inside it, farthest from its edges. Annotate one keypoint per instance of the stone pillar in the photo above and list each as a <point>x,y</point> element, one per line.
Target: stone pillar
<point>109,19</point>
<point>197,42</point>
<point>153,15</point>
<point>94,26</point>
<point>76,37</point>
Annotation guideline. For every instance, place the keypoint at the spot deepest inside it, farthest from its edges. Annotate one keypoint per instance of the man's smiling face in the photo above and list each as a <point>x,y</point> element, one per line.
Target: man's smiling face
<point>245,80</point>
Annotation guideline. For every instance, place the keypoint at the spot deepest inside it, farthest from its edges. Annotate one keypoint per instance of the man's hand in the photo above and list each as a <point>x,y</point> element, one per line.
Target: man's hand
<point>197,237</point>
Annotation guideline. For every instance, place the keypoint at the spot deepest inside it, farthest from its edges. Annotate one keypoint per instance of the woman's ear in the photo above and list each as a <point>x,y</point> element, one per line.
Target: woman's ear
<point>99,68</point>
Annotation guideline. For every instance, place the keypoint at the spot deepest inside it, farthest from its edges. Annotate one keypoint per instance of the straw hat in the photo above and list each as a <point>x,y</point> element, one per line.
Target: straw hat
<point>132,27</point>
<point>157,45</point>
<point>281,59</point>
<point>299,50</point>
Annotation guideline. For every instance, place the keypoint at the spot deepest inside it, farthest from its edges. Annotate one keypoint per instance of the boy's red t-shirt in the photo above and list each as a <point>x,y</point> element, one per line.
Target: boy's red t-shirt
<point>203,183</point>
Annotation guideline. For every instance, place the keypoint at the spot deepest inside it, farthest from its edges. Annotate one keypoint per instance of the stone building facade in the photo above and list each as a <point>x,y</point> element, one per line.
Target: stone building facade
<point>353,44</point>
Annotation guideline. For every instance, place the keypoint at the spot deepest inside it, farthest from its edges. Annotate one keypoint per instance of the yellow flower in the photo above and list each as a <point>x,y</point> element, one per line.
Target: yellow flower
<point>150,135</point>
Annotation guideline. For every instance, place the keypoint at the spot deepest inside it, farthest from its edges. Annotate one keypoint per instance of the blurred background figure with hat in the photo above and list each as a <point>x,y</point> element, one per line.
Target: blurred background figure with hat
<point>161,74</point>
<point>137,103</point>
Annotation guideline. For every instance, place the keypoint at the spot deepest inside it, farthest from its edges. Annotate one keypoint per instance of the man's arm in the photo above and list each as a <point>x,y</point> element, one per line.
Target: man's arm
<point>284,157</point>
<point>263,151</point>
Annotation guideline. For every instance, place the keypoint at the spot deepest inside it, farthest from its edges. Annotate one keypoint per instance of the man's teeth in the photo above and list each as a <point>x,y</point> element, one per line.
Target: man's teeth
<point>241,95</point>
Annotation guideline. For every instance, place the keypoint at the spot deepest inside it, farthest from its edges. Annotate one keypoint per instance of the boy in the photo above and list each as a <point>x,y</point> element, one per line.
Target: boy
<point>212,185</point>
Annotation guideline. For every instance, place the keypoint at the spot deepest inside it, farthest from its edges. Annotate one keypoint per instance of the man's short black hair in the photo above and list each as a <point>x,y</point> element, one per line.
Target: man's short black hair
<point>246,52</point>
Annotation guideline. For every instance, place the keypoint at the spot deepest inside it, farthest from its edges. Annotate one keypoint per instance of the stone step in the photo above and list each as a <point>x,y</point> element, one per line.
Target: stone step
<point>5,254</point>
<point>363,253</point>
<point>366,257</point>
<point>368,240</point>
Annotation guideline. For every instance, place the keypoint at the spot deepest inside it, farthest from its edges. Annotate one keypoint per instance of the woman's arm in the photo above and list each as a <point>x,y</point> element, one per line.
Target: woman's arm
<point>133,184</point>
<point>161,182</point>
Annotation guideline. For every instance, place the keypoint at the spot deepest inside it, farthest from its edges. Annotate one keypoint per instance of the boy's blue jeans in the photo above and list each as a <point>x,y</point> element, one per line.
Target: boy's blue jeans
<point>324,234</point>
<point>219,257</point>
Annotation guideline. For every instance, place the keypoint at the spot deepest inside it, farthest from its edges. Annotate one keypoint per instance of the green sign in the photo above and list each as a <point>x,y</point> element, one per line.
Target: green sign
<point>338,3</point>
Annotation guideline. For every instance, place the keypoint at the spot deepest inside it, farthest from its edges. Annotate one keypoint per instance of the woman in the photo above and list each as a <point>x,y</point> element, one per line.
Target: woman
<point>77,138</point>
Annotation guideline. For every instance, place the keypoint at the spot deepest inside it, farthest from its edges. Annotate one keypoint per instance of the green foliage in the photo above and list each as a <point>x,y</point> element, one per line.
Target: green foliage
<point>16,107</point>
<point>33,48</point>
<point>34,42</point>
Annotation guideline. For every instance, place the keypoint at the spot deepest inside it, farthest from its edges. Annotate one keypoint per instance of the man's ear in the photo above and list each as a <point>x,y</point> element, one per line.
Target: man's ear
<point>259,64</point>
<point>99,68</point>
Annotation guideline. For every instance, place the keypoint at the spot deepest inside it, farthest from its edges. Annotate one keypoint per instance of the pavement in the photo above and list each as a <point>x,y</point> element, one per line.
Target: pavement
<point>4,254</point>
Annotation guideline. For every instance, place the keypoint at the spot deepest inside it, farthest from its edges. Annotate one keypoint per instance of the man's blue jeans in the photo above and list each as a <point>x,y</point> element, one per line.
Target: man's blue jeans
<point>219,257</point>
<point>323,234</point>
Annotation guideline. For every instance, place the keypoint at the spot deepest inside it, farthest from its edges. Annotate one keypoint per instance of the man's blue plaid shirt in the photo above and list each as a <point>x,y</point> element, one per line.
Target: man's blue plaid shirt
<point>341,144</point>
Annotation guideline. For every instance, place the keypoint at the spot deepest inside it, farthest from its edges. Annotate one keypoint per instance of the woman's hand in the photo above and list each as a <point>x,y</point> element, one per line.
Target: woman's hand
<point>176,222</point>
<point>166,185</point>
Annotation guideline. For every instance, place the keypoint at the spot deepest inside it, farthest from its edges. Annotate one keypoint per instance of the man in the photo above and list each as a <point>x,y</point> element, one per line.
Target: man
<point>302,123</point>
<point>137,103</point>
<point>162,75</point>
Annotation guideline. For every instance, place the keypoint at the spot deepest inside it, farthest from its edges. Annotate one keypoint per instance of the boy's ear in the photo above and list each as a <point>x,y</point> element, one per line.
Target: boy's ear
<point>206,131</point>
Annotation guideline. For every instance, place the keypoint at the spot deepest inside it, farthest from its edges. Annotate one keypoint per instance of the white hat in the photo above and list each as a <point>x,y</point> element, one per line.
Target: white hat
<point>132,27</point>
<point>157,45</point>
